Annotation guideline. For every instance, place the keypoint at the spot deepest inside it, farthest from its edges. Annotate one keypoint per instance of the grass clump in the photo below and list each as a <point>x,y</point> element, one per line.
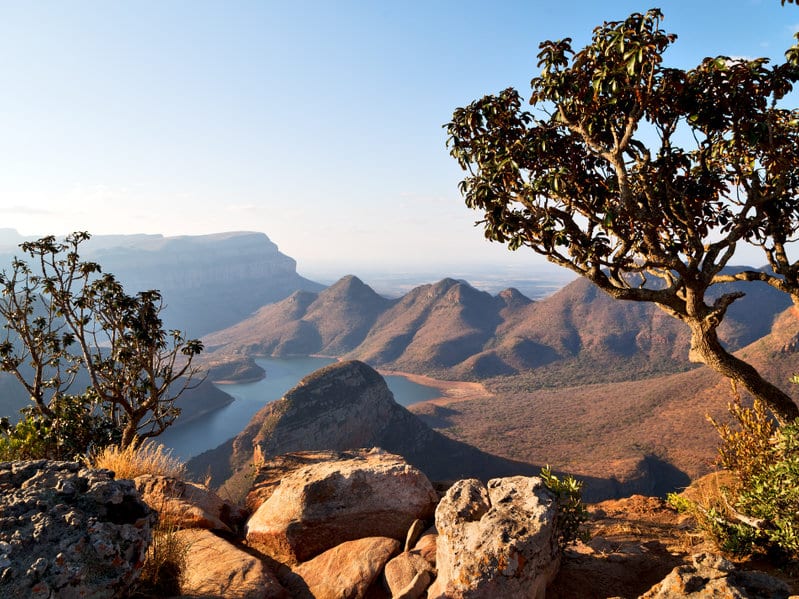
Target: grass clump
<point>164,565</point>
<point>165,561</point>
<point>130,462</point>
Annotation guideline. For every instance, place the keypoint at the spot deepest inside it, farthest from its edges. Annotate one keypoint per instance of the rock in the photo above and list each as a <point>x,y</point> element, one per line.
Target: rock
<point>360,494</point>
<point>216,568</point>
<point>347,570</point>
<point>69,531</point>
<point>427,544</point>
<point>713,576</point>
<point>188,505</point>
<point>497,541</point>
<point>414,532</point>
<point>269,474</point>
<point>416,588</point>
<point>402,573</point>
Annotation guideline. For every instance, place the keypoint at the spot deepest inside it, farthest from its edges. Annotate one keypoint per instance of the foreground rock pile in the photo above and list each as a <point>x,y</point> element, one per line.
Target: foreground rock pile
<point>319,525</point>
<point>357,524</point>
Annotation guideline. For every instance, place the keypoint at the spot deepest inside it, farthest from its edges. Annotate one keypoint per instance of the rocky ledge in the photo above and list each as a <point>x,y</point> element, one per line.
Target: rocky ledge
<point>360,524</point>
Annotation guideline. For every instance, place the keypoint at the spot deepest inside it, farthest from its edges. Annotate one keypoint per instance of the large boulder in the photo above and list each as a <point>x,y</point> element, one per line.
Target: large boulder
<point>216,568</point>
<point>711,576</point>
<point>269,474</point>
<point>188,505</point>
<point>69,531</point>
<point>363,493</point>
<point>348,570</point>
<point>496,541</point>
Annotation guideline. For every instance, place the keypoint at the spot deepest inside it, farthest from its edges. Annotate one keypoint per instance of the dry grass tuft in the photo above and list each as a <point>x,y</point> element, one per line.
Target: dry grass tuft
<point>128,463</point>
<point>166,556</point>
<point>164,564</point>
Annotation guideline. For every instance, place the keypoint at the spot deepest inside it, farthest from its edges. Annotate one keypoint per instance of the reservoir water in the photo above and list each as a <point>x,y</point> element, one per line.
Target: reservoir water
<point>211,430</point>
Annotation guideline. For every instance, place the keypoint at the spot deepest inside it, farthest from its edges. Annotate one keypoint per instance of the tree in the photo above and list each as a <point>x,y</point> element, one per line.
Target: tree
<point>643,178</point>
<point>64,317</point>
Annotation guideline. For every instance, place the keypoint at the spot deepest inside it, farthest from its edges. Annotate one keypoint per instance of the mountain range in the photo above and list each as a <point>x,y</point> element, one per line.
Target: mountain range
<point>452,330</point>
<point>599,387</point>
<point>594,386</point>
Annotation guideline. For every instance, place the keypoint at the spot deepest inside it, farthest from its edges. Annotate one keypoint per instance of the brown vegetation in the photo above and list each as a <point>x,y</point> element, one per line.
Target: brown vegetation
<point>129,462</point>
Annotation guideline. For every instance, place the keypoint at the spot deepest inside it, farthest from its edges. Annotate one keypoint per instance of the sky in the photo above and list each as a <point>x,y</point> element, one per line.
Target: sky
<point>318,123</point>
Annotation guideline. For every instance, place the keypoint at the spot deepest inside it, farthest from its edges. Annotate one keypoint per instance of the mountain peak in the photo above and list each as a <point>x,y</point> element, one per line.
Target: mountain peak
<point>513,298</point>
<point>335,382</point>
<point>348,286</point>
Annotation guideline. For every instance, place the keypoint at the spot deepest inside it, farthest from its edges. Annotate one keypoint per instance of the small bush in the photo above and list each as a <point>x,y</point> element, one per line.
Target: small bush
<point>771,494</point>
<point>68,432</point>
<point>148,458</point>
<point>758,511</point>
<point>572,513</point>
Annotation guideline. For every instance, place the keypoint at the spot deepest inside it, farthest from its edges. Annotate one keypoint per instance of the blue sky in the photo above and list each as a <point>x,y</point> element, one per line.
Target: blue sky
<point>315,122</point>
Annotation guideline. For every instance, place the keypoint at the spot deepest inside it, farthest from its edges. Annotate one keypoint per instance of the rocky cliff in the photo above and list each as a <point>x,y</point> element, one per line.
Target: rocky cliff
<point>208,281</point>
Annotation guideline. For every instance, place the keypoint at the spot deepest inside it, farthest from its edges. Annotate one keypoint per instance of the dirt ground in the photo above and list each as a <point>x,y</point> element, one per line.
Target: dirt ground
<point>635,542</point>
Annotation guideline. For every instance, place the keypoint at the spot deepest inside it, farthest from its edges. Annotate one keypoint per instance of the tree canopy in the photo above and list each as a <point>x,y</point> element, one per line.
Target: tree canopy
<point>644,178</point>
<point>65,319</point>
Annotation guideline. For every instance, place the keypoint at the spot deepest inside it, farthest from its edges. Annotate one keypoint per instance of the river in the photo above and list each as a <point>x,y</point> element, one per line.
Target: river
<point>211,430</point>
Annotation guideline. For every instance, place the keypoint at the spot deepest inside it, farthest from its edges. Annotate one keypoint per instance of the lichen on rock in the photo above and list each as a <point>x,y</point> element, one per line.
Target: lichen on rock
<point>69,531</point>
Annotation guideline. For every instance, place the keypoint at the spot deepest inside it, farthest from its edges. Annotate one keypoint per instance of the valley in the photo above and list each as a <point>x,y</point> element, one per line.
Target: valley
<point>590,385</point>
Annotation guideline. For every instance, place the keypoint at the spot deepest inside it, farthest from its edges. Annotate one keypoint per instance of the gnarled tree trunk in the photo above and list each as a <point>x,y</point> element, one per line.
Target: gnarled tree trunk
<point>707,349</point>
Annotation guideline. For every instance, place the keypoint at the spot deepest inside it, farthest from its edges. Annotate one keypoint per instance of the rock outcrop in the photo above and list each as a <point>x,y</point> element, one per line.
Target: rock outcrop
<point>713,576</point>
<point>352,496</point>
<point>496,541</point>
<point>69,531</point>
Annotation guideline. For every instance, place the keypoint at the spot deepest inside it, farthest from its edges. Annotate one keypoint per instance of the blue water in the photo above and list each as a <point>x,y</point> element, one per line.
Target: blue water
<point>211,430</point>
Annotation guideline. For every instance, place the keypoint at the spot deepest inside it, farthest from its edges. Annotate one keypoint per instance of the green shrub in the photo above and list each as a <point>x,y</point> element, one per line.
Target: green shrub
<point>758,512</point>
<point>572,513</point>
<point>69,431</point>
<point>771,494</point>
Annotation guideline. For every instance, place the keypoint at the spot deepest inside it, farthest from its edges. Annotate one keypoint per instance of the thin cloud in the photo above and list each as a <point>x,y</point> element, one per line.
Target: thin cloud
<point>28,210</point>
<point>242,208</point>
